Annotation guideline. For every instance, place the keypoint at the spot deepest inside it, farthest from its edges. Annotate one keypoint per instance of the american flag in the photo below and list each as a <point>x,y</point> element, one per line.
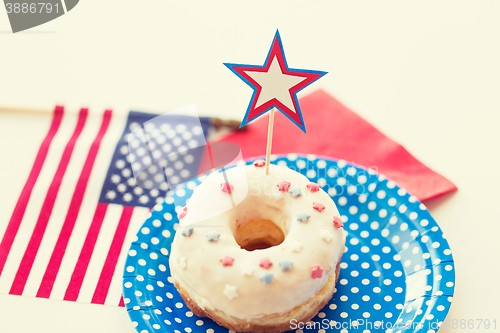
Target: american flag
<point>81,205</point>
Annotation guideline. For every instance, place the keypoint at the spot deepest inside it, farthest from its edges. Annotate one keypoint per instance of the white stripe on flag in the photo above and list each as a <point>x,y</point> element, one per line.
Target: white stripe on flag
<point>35,203</point>
<point>100,253</point>
<point>115,289</point>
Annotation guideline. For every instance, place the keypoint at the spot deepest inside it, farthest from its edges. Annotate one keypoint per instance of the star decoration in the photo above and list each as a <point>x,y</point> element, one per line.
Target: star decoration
<point>230,291</point>
<point>259,163</point>
<point>267,278</point>
<point>183,262</point>
<point>226,187</point>
<point>286,264</point>
<point>326,235</point>
<point>295,191</point>
<point>227,261</point>
<point>246,269</point>
<point>283,186</point>
<point>313,187</point>
<point>213,236</point>
<point>275,85</point>
<point>183,213</point>
<point>265,263</point>
<point>317,272</point>
<point>318,206</point>
<point>186,232</point>
<point>303,217</point>
<point>337,222</point>
<point>296,247</point>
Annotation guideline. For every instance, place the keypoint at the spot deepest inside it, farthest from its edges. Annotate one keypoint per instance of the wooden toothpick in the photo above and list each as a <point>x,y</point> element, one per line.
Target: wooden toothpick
<point>269,140</point>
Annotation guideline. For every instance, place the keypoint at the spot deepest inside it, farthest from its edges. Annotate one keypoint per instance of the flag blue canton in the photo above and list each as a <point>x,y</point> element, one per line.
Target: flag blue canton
<point>152,156</point>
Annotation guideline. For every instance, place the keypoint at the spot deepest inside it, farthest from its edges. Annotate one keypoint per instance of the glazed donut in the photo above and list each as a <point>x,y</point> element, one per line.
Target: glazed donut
<point>272,256</point>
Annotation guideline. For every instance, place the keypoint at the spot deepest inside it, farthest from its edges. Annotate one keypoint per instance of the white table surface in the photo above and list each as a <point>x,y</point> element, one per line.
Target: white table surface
<point>426,73</point>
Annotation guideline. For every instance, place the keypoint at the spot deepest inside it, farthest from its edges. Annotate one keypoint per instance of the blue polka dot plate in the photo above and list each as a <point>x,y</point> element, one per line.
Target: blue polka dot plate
<point>397,274</point>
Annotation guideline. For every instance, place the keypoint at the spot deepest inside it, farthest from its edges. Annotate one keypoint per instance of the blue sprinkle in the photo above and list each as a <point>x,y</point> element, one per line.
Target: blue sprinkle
<point>286,264</point>
<point>303,217</point>
<point>213,236</point>
<point>267,278</point>
<point>186,232</point>
<point>295,191</point>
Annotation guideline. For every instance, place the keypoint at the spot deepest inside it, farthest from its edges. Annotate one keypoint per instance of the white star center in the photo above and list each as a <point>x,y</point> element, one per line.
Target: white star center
<point>275,84</point>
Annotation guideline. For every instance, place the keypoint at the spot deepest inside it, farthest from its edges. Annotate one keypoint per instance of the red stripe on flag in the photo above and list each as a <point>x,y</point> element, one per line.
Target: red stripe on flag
<point>22,202</point>
<point>122,303</point>
<point>101,290</point>
<point>74,208</point>
<point>47,206</point>
<point>82,264</point>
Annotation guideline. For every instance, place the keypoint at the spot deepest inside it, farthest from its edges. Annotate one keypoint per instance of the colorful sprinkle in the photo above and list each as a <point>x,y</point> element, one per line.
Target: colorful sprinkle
<point>230,291</point>
<point>303,217</point>
<point>213,236</point>
<point>246,269</point>
<point>326,235</point>
<point>286,264</point>
<point>267,278</point>
<point>227,261</point>
<point>183,262</point>
<point>296,247</point>
<point>226,187</point>
<point>317,272</point>
<point>283,186</point>
<point>318,206</point>
<point>313,187</point>
<point>183,213</point>
<point>186,232</point>
<point>295,191</point>
<point>337,222</point>
<point>265,263</point>
<point>259,163</point>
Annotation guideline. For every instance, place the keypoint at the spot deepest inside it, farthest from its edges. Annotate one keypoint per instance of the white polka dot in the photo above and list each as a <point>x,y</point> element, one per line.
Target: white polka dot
<point>375,257</point>
<point>375,241</point>
<point>333,306</point>
<point>449,284</point>
<point>376,290</point>
<point>344,314</point>
<point>377,306</point>
<point>387,282</point>
<point>130,269</point>
<point>413,216</point>
<point>364,234</point>
<point>343,281</point>
<point>365,265</point>
<point>388,315</point>
<point>387,249</point>
<point>165,233</point>
<point>365,281</point>
<point>372,205</point>
<point>398,273</point>
<point>363,217</point>
<point>128,284</point>
<point>132,253</point>
<point>354,273</point>
<point>376,273</point>
<point>354,257</point>
<point>353,226</point>
<point>142,262</point>
<point>366,298</point>
<point>374,225</point>
<point>137,293</point>
<point>424,223</point>
<point>386,265</point>
<point>341,181</point>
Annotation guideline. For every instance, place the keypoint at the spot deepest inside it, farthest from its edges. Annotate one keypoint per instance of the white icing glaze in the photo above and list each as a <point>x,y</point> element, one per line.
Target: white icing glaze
<point>316,242</point>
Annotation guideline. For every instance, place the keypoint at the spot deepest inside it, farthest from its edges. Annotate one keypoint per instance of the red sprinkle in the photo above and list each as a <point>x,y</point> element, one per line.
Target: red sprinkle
<point>259,163</point>
<point>226,187</point>
<point>318,206</point>
<point>317,272</point>
<point>265,263</point>
<point>283,186</point>
<point>313,187</point>
<point>227,261</point>
<point>183,213</point>
<point>337,222</point>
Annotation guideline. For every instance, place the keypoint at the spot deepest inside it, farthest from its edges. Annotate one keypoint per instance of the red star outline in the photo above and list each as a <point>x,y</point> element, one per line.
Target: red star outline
<point>277,52</point>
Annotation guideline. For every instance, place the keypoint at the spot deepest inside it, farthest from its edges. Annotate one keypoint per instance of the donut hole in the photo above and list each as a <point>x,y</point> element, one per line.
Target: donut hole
<point>258,235</point>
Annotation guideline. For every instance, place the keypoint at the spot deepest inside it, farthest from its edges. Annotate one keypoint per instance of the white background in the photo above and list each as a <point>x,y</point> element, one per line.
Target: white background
<point>426,73</point>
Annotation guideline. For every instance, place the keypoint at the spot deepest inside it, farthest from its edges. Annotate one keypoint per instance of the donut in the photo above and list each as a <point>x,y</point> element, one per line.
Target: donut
<point>254,251</point>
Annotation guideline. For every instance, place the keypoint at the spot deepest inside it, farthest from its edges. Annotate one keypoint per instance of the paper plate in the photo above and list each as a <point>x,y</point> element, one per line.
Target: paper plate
<point>397,274</point>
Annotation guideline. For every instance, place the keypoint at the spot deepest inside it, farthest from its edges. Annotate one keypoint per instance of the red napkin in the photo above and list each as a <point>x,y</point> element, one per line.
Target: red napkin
<point>334,130</point>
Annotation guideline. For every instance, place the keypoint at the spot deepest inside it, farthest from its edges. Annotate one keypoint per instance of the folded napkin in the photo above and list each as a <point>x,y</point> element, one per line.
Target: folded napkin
<point>335,131</point>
